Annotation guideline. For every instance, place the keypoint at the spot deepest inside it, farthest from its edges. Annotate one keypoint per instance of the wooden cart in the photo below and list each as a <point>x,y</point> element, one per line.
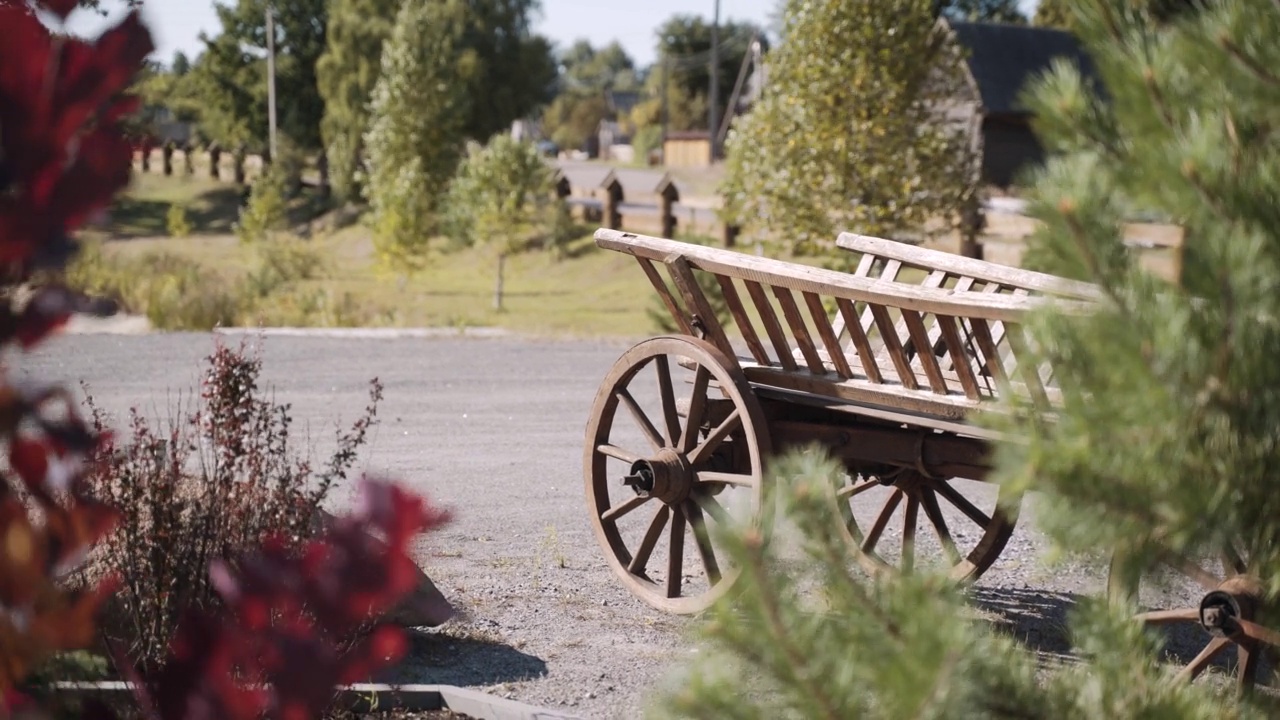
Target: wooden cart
<point>886,368</point>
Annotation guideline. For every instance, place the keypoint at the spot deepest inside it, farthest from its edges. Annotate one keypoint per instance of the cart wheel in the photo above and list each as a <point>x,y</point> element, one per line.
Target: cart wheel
<point>655,481</point>
<point>1220,597</point>
<point>899,520</point>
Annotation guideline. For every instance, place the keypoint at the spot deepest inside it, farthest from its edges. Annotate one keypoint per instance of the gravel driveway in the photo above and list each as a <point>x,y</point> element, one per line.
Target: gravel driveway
<point>493,429</point>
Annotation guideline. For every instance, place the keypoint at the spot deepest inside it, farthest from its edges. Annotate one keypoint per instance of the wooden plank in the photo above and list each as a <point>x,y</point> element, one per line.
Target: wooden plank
<point>893,345</point>
<point>696,301</point>
<point>825,282</point>
<point>860,341</point>
<point>920,257</point>
<point>740,317</point>
<point>771,325</point>
<point>655,278</point>
<point>864,265</point>
<point>799,330</point>
<point>929,361</point>
<point>942,407</point>
<point>890,273</point>
<point>958,352</point>
<point>1025,368</point>
<point>990,352</point>
<point>828,335</point>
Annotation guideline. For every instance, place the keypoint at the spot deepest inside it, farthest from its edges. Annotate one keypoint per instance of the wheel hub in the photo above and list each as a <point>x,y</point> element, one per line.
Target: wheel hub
<point>666,476</point>
<point>1237,598</point>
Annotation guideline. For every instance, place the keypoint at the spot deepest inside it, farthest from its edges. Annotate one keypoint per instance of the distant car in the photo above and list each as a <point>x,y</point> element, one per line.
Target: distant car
<point>548,148</point>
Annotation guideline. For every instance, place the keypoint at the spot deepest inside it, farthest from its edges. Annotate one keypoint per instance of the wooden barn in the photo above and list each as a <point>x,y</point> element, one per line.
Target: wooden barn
<point>1002,60</point>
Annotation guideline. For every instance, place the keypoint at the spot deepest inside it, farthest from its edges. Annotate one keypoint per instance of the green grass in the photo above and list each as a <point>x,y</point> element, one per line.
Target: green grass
<point>592,292</point>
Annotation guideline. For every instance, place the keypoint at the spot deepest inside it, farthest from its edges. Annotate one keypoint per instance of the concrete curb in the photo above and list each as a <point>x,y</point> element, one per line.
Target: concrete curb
<point>373,697</point>
<point>369,333</point>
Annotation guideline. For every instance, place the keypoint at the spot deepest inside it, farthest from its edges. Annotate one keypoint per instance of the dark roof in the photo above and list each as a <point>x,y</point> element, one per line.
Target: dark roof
<point>622,101</point>
<point>1004,58</point>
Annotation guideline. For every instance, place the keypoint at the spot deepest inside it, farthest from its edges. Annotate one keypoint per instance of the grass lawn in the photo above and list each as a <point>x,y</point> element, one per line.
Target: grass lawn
<point>589,292</point>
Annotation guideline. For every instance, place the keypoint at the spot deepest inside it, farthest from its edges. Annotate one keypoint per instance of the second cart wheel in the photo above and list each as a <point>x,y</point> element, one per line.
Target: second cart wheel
<point>662,472</point>
<point>900,520</point>
<point>1219,600</point>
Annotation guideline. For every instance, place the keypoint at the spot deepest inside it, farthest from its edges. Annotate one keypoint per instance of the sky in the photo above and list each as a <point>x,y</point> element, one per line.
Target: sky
<point>176,24</point>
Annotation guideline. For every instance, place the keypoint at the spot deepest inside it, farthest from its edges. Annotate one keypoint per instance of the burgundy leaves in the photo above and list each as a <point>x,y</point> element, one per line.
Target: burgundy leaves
<point>62,155</point>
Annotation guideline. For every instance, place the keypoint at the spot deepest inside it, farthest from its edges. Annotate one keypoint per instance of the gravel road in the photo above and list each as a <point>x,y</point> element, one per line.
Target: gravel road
<point>493,429</point>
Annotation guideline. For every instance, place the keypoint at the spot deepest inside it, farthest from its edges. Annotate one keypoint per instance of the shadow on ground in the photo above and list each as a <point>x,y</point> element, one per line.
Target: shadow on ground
<point>211,212</point>
<point>461,659</point>
<point>1040,620</point>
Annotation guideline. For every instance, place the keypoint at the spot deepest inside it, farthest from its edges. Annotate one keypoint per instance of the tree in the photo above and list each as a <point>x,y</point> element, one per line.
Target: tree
<point>510,71</point>
<point>347,73</point>
<point>849,137</point>
<point>418,114</point>
<point>507,69</point>
<point>1162,447</point>
<point>181,64</point>
<point>501,197</point>
<point>684,41</point>
<point>1053,13</point>
<point>994,11</point>
<point>581,103</point>
<point>233,79</point>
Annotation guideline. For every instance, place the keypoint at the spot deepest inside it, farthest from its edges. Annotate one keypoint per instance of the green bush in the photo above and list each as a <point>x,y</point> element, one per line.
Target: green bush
<point>266,212</point>
<point>176,221</point>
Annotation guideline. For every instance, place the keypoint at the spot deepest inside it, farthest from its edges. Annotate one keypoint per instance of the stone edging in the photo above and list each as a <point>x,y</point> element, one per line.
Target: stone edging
<point>367,697</point>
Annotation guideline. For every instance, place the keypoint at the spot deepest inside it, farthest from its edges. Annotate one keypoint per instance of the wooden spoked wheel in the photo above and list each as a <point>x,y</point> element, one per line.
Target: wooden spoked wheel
<point>1218,596</point>
<point>901,520</point>
<point>675,446</point>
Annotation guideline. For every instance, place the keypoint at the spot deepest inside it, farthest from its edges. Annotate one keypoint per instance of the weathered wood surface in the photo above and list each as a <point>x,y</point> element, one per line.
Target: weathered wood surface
<point>939,349</point>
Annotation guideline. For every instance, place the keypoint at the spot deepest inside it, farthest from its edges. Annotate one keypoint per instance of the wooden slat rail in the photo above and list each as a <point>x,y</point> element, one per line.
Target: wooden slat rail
<point>959,266</point>
<point>967,334</point>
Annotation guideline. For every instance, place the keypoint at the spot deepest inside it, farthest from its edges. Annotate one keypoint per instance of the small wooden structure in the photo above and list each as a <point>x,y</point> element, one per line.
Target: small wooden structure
<point>687,149</point>
<point>608,194</point>
<point>595,189</point>
<point>885,368</point>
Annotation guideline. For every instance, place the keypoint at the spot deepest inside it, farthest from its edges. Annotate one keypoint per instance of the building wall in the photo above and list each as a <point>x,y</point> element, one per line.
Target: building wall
<point>687,153</point>
<point>1009,148</point>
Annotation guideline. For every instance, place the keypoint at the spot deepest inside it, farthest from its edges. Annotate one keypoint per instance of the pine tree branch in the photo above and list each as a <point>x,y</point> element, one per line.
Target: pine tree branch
<point>795,658</point>
<point>1260,71</point>
<point>1091,261</point>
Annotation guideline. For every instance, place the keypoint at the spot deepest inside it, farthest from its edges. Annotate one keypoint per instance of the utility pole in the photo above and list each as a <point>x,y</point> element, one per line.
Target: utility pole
<point>666,118</point>
<point>714,124</point>
<point>271,84</point>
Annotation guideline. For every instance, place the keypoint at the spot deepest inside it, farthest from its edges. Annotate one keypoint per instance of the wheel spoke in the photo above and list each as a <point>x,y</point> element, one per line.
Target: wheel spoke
<point>618,453</point>
<point>650,541</point>
<point>934,513</point>
<point>909,534</point>
<point>717,436</point>
<point>646,425</point>
<point>1247,657</point>
<point>850,490</point>
<point>697,408</point>
<point>1201,661</point>
<point>873,536</point>
<point>675,561</point>
<point>1259,633</point>
<point>1233,562</point>
<point>1160,617</point>
<point>703,539</point>
<point>734,479</point>
<point>669,413</point>
<point>961,503</point>
<point>1192,569</point>
<point>713,508</point>
<point>626,506</point>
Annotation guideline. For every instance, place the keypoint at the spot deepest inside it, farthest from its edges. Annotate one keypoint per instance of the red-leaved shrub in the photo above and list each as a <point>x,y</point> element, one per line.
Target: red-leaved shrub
<point>272,646</point>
